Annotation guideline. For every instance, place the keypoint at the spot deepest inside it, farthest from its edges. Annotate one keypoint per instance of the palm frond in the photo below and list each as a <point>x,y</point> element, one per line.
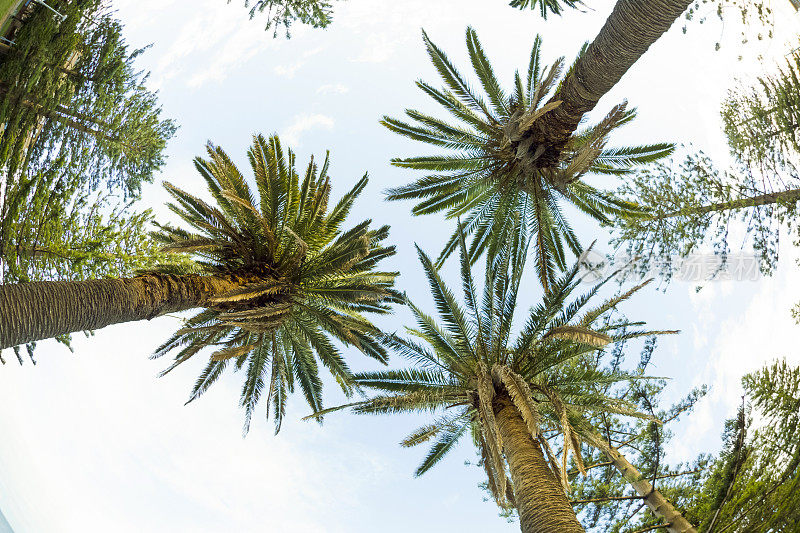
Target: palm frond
<point>449,437</point>
<point>300,281</point>
<point>545,377</point>
<point>494,157</point>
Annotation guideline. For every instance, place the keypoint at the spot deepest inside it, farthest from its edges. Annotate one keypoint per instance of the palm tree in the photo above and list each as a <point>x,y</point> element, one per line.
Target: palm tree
<point>495,178</point>
<point>628,32</point>
<point>277,278</point>
<point>507,395</point>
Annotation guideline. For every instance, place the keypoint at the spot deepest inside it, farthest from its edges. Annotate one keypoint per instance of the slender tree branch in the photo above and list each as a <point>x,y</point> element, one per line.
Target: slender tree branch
<point>607,499</point>
<point>596,465</point>
<point>737,466</point>
<point>651,528</point>
<point>677,474</point>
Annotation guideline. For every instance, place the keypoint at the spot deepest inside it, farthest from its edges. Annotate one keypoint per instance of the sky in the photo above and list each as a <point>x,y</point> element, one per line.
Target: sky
<point>5,527</point>
<point>92,441</point>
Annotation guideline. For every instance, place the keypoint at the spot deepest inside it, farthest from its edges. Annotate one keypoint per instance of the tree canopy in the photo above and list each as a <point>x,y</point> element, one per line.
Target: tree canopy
<point>81,132</point>
<point>72,98</point>
<point>692,205</point>
<point>283,13</point>
<point>494,175</point>
<point>303,279</point>
<point>750,485</point>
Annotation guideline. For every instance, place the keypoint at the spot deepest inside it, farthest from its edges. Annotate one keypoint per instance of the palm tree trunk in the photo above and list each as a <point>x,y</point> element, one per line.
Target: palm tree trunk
<point>656,501</point>
<point>627,34</point>
<point>45,309</point>
<point>786,197</point>
<point>543,507</point>
<point>3,185</point>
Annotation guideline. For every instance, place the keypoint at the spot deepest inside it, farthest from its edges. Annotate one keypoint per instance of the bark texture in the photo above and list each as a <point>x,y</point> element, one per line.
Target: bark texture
<point>543,507</point>
<point>45,309</point>
<point>627,34</point>
<point>656,501</point>
<point>783,197</point>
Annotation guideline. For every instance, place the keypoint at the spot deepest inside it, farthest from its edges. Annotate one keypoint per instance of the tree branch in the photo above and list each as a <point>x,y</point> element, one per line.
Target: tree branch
<point>651,528</point>
<point>607,499</point>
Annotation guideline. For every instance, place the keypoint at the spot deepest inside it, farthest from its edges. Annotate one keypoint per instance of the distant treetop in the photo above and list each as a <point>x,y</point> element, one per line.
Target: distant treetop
<point>318,13</point>
<point>545,6</point>
<point>315,13</point>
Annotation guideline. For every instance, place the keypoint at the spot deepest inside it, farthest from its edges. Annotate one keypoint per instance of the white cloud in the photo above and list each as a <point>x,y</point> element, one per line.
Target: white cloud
<point>288,71</point>
<point>141,12</point>
<point>211,39</point>
<point>333,88</point>
<point>378,48</point>
<point>313,51</point>
<point>134,447</point>
<point>242,41</point>
<point>737,340</point>
<point>303,123</point>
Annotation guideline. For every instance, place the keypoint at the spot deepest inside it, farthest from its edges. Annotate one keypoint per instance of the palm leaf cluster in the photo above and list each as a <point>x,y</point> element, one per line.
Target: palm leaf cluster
<point>503,174</point>
<point>546,6</point>
<point>303,281</point>
<point>465,365</point>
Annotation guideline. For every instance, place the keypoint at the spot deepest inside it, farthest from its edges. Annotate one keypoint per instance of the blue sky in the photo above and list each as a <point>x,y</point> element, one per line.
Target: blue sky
<point>5,527</point>
<point>93,441</point>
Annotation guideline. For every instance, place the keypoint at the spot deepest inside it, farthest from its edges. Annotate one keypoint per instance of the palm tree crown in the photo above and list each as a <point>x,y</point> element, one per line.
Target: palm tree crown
<point>468,366</point>
<point>502,174</point>
<point>301,280</point>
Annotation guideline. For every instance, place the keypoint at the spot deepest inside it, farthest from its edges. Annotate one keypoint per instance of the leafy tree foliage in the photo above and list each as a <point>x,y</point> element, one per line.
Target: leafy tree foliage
<point>71,98</point>
<point>604,500</point>
<point>692,204</point>
<point>81,132</point>
<point>750,485</point>
<point>282,13</point>
<point>304,279</point>
<point>76,116</point>
<point>756,17</point>
<point>755,483</point>
<point>469,367</point>
<point>496,178</point>
<point>97,236</point>
<point>546,6</point>
<point>318,13</point>
<point>762,123</point>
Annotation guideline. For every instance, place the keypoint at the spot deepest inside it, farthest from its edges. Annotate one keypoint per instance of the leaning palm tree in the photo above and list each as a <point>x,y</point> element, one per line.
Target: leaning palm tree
<point>628,32</point>
<point>276,276</point>
<point>496,177</point>
<point>510,396</point>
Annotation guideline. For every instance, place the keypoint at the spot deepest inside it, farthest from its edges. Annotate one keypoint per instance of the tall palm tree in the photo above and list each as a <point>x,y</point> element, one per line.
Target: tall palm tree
<point>495,178</point>
<point>277,278</point>
<point>508,395</point>
<point>628,32</point>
